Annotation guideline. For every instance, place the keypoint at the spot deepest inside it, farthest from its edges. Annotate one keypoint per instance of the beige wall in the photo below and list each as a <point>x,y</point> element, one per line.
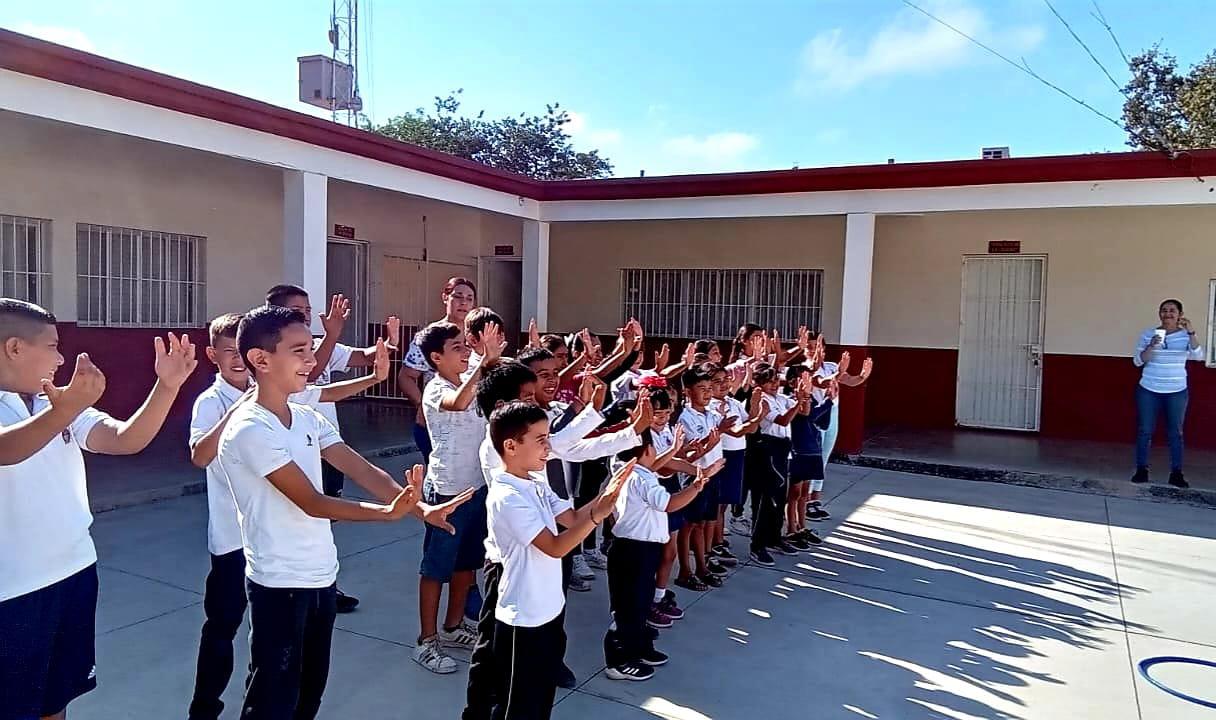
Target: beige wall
<point>393,225</point>
<point>585,259</point>
<point>1107,270</point>
<point>68,174</point>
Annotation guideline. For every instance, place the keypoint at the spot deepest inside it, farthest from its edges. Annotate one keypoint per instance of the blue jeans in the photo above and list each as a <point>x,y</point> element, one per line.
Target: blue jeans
<point>1148,405</point>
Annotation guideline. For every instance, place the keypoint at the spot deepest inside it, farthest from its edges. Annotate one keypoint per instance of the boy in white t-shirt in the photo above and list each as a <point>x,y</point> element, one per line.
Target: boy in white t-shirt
<point>224,602</point>
<point>270,453</point>
<point>333,357</point>
<point>456,428</point>
<point>523,514</point>
<point>476,323</point>
<point>48,564</point>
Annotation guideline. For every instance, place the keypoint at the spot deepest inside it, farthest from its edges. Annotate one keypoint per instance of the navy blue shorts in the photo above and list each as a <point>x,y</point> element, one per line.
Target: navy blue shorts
<point>675,520</point>
<point>704,508</point>
<point>47,656</point>
<point>804,468</point>
<point>444,553</point>
<point>730,480</point>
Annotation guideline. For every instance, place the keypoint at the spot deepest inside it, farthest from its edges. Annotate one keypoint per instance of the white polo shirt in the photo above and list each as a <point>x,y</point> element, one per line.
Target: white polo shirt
<point>641,510</point>
<point>662,440</point>
<point>731,407</point>
<point>778,405</point>
<point>456,435</point>
<point>284,546</point>
<point>697,425</point>
<point>517,511</point>
<point>339,361</point>
<point>44,505</point>
<point>223,530</point>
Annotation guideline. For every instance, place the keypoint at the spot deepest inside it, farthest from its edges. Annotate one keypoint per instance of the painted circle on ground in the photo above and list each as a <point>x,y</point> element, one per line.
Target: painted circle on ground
<point>1148,663</point>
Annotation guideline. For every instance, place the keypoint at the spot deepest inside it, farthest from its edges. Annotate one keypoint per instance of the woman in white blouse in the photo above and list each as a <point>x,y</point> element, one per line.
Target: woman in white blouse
<point>1162,352</point>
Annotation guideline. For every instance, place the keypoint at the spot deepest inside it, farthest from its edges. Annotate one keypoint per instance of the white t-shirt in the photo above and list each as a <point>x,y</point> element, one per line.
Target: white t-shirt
<point>731,407</point>
<point>339,361</point>
<point>44,505</point>
<point>778,405</point>
<point>223,529</point>
<point>697,425</point>
<point>662,440</point>
<point>284,546</point>
<point>641,510</point>
<point>625,387</point>
<point>491,465</point>
<point>456,435</point>
<point>517,510</point>
<point>825,369</point>
<point>474,363</point>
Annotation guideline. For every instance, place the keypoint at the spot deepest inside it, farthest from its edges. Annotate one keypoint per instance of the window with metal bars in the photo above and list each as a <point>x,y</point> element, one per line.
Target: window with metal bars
<point>139,278</point>
<point>712,303</point>
<point>25,259</point>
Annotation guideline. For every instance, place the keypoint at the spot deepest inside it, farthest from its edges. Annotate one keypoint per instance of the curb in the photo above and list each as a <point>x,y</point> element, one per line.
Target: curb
<point>1051,481</point>
<point>199,487</point>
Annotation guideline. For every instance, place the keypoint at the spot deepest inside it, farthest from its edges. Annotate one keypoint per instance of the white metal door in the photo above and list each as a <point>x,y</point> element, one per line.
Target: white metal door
<point>346,273</point>
<point>1000,375</point>
<point>501,281</point>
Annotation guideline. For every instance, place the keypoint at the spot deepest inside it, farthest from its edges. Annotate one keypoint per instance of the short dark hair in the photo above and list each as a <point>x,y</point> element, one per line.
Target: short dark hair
<point>553,342</point>
<point>700,372</point>
<point>278,294</point>
<point>263,327</point>
<point>1176,303</point>
<point>512,420</point>
<point>501,382</point>
<point>223,326</point>
<point>477,319</point>
<point>703,347</point>
<point>531,355</point>
<point>433,337</point>
<point>764,373</point>
<point>660,399</point>
<point>454,282</point>
<point>639,450</point>
<point>22,319</point>
<point>577,344</point>
<point>793,372</point>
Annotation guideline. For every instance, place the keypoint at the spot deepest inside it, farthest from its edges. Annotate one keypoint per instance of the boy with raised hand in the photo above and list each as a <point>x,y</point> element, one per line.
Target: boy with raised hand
<point>48,564</point>
<point>270,453</point>
<point>524,515</point>
<point>333,356</point>
<point>475,325</point>
<point>456,429</point>
<point>224,601</point>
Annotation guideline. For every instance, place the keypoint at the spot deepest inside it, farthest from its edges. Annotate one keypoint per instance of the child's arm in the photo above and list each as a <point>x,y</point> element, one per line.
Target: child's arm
<point>579,523</point>
<point>676,446</point>
<point>347,388</point>
<point>204,450</point>
<point>366,357</point>
<point>173,366</point>
<point>685,362</point>
<point>332,322</point>
<point>460,399</point>
<point>679,500</point>
<point>292,482</point>
<point>20,441</point>
<point>867,367</point>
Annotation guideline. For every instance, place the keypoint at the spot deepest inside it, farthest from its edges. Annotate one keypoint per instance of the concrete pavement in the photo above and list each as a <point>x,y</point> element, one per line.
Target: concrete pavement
<point>932,598</point>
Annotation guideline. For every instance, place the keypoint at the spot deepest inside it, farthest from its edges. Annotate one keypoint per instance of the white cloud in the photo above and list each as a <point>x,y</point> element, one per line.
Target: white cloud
<point>588,137</point>
<point>71,37</point>
<point>717,152</point>
<point>909,44</point>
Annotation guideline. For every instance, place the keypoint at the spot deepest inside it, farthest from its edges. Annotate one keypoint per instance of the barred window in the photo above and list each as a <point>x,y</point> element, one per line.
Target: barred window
<point>714,303</point>
<point>139,278</point>
<point>25,259</point>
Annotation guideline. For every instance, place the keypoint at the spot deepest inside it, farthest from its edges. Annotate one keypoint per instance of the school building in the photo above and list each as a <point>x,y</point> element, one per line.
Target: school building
<point>1001,294</point>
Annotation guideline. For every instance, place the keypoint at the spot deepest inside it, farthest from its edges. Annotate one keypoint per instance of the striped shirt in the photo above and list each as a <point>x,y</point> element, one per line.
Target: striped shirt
<point>1165,371</point>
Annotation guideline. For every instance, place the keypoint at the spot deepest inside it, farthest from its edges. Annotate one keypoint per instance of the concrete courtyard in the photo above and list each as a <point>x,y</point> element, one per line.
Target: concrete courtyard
<point>932,598</point>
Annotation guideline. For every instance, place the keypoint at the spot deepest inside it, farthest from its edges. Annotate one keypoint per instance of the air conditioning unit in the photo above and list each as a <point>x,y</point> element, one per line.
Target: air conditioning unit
<point>994,153</point>
<point>328,83</point>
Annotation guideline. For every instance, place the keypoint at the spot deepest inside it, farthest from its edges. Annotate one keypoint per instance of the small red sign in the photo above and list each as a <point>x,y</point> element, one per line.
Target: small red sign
<point>508,250</point>
<point>344,231</point>
<point>1004,247</point>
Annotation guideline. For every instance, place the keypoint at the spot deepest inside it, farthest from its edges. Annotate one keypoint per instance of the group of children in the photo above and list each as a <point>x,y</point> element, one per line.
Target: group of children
<point>541,469</point>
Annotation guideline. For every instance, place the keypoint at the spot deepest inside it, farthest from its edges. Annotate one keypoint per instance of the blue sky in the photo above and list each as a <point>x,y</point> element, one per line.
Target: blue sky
<point>680,86</point>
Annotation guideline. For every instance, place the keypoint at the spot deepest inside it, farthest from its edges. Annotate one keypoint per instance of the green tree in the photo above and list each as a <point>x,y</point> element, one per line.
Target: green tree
<point>1167,110</point>
<point>537,146</point>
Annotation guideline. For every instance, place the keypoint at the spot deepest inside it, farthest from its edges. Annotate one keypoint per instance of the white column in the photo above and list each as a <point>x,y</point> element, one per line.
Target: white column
<point>858,272</point>
<point>305,199</point>
<point>535,292</point>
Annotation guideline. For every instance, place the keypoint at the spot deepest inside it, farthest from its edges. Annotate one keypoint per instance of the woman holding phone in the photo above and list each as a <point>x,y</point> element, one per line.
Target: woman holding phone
<point>1162,352</point>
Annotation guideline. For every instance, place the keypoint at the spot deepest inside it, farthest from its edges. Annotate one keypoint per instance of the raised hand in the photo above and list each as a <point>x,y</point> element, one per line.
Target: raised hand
<point>533,334</point>
<point>689,353</point>
<point>1184,323</point>
<point>774,343</point>
<point>834,390</point>
<point>335,319</point>
<point>706,473</point>
<point>599,392</point>
<point>84,389</point>
<point>843,365</point>
<point>759,347</point>
<point>606,500</point>
<point>754,401</point>
<point>678,443</point>
<point>437,515</point>
<point>643,413</point>
<point>867,367</point>
<point>662,357</point>
<point>174,365</point>
<point>586,389</point>
<point>727,422</point>
<point>712,439</point>
<point>380,364</point>
<point>407,499</point>
<point>392,332</point>
<point>494,342</point>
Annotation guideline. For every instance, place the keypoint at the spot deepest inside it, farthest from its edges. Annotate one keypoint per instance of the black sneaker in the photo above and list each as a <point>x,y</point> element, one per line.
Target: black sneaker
<point>1177,480</point>
<point>762,557</point>
<point>725,556</point>
<point>798,542</point>
<point>715,567</point>
<point>714,581</point>
<point>653,658</point>
<point>347,603</point>
<point>1141,475</point>
<point>811,537</point>
<point>783,548</point>
<point>635,671</point>
<point>565,678</point>
<point>816,513</point>
<point>693,583</point>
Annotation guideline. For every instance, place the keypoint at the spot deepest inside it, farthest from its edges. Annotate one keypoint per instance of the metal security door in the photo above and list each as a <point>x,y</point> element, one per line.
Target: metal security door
<point>1000,375</point>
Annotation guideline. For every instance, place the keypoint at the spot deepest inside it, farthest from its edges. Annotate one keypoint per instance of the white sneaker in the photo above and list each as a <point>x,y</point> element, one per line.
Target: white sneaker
<point>596,559</point>
<point>741,526</point>
<point>429,655</point>
<point>581,570</point>
<point>469,624</point>
<point>460,638</point>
